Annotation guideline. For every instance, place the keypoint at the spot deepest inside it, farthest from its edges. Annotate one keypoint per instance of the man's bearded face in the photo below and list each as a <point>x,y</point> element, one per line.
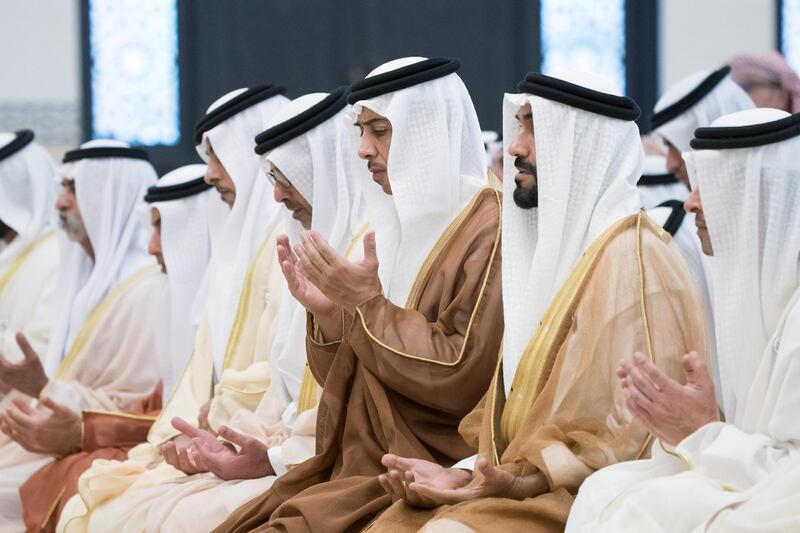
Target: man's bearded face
<point>69,216</point>
<point>523,150</point>
<point>73,227</point>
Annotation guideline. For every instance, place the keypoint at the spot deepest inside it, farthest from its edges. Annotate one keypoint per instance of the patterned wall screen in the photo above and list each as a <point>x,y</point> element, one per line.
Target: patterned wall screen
<point>133,49</point>
<point>586,35</point>
<point>790,32</point>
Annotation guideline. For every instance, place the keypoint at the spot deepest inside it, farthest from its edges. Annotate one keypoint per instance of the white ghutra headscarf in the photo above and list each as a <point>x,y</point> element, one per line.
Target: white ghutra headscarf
<point>320,164</point>
<point>107,190</point>
<point>253,217</point>
<point>726,97</point>
<point>186,223</point>
<point>436,165</point>
<point>750,198</point>
<point>27,196</point>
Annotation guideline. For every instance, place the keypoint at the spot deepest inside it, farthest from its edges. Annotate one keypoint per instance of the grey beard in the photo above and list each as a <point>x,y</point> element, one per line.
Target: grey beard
<point>73,227</point>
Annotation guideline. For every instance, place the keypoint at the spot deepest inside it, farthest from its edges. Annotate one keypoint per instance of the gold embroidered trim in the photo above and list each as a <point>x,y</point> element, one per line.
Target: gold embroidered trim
<point>493,406</point>
<point>127,416</point>
<point>648,342</point>
<point>22,257</point>
<point>52,507</point>
<point>308,391</point>
<point>94,317</point>
<point>243,309</point>
<point>413,296</point>
<point>529,374</point>
<point>416,289</point>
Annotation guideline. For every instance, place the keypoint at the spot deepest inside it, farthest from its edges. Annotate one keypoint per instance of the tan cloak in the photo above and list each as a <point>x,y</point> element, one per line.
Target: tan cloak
<point>399,381</point>
<point>566,416</point>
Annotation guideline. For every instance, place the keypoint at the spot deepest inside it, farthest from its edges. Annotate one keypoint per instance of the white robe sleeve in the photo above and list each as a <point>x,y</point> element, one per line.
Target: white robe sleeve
<point>468,463</point>
<point>767,438</point>
<point>733,457</point>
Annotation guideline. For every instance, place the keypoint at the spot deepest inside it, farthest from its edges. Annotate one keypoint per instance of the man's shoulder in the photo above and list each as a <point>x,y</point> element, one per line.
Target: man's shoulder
<point>633,233</point>
<point>637,243</point>
<point>144,285</point>
<point>485,211</point>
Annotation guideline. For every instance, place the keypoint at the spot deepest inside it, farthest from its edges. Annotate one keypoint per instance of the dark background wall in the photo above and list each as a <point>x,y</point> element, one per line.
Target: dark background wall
<point>315,45</point>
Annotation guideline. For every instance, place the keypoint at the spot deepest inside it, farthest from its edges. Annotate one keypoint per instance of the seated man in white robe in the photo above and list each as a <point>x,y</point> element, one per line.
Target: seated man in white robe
<point>694,102</point>
<point>176,214</point>
<point>29,255</point>
<point>310,143</point>
<point>103,352</point>
<point>229,368</point>
<point>744,172</point>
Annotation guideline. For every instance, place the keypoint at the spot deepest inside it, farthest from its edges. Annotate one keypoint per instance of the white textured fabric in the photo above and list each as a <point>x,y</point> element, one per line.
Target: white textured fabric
<point>750,198</point>
<point>186,247</point>
<point>727,97</point>
<point>292,158</point>
<point>320,164</point>
<point>655,195</point>
<point>436,165</point>
<point>587,167</point>
<point>254,214</point>
<point>27,196</point>
<point>107,192</point>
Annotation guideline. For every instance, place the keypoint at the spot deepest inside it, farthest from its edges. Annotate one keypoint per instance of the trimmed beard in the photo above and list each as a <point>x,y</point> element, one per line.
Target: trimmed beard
<point>526,198</point>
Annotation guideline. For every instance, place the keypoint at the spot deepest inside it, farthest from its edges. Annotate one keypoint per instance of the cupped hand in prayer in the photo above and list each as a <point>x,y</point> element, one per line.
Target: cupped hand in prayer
<point>669,410</point>
<point>303,291</point>
<point>50,429</point>
<point>426,484</point>
<point>222,459</point>
<point>421,483</point>
<point>326,312</point>
<point>346,283</point>
<point>179,452</point>
<point>27,376</point>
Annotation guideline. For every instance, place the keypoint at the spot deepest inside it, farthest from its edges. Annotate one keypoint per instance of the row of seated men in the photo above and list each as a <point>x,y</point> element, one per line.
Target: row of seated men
<point>339,322</point>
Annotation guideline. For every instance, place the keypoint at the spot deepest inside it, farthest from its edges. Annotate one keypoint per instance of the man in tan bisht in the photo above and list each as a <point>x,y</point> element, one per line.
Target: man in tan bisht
<point>29,255</point>
<point>405,340</point>
<point>308,143</point>
<point>104,350</point>
<point>177,208</point>
<point>228,369</point>
<point>587,279</point>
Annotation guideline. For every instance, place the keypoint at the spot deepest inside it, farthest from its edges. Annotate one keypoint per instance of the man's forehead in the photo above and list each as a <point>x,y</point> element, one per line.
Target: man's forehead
<point>368,116</point>
<point>67,180</point>
<point>155,215</point>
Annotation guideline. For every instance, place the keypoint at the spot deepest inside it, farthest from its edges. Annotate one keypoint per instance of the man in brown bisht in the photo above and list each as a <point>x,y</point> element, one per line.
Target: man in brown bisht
<point>405,341</point>
<point>588,279</point>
